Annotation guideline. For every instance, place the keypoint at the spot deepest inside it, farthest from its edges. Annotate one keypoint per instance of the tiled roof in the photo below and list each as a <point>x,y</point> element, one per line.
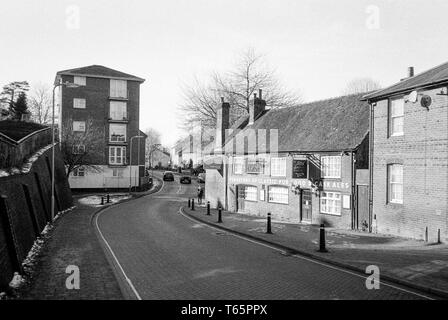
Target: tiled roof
<point>100,71</point>
<point>430,77</point>
<point>335,124</point>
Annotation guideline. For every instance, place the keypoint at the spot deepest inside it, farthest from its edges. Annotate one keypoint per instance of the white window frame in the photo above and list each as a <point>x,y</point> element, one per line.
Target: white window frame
<point>251,193</point>
<point>117,172</point>
<point>115,114</point>
<point>391,185</point>
<point>330,203</point>
<point>114,158</point>
<point>79,103</point>
<point>78,124</point>
<point>282,197</point>
<point>259,163</point>
<point>278,167</point>
<point>331,166</point>
<point>111,125</point>
<point>79,172</point>
<point>395,115</point>
<point>238,165</point>
<point>79,149</point>
<point>79,80</point>
<point>118,88</point>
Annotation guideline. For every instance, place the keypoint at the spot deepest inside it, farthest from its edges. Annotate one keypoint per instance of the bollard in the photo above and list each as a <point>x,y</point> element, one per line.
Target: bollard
<point>438,237</point>
<point>322,239</point>
<point>192,204</point>
<point>219,214</point>
<point>108,198</point>
<point>189,203</point>
<point>268,227</point>
<point>208,208</point>
<point>102,200</point>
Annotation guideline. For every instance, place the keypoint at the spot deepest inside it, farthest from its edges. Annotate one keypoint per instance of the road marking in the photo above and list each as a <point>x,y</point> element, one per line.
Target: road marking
<point>180,188</point>
<point>304,258</point>
<point>115,258</point>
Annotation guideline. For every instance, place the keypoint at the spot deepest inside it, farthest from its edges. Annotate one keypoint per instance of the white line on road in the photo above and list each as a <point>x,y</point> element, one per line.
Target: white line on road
<point>304,258</point>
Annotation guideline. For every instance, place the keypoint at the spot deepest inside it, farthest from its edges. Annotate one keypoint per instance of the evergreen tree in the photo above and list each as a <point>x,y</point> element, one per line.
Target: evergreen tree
<point>19,107</point>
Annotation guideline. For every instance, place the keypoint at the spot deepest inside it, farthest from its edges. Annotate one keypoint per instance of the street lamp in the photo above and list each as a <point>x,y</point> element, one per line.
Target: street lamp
<point>130,161</point>
<point>68,85</point>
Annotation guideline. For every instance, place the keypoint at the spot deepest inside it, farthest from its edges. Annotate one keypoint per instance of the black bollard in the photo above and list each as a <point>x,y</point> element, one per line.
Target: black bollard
<point>102,200</point>
<point>108,198</point>
<point>192,204</point>
<point>268,227</point>
<point>189,203</point>
<point>322,239</point>
<point>219,214</point>
<point>208,208</point>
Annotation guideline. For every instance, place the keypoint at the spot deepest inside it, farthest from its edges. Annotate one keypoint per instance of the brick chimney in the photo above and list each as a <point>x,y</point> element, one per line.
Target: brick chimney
<point>257,106</point>
<point>222,123</point>
<point>410,72</point>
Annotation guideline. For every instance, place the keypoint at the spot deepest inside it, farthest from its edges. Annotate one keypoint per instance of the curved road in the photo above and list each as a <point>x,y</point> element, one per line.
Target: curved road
<point>165,255</point>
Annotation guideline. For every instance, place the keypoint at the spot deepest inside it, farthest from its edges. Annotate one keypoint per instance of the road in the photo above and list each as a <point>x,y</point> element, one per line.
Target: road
<point>164,255</point>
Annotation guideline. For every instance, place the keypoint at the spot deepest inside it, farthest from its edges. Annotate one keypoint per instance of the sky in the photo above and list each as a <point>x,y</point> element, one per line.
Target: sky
<point>315,46</point>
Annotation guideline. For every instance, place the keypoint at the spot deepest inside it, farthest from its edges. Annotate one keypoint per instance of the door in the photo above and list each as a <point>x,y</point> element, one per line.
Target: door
<point>240,198</point>
<point>362,208</point>
<point>306,206</point>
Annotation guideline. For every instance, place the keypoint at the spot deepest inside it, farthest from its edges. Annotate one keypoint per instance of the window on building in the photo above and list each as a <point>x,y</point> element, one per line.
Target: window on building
<point>278,167</point>
<point>277,194</point>
<point>250,193</point>
<point>79,172</point>
<point>331,166</point>
<point>117,132</point>
<point>395,183</point>
<point>79,103</point>
<point>396,117</point>
<point>79,149</point>
<point>330,203</point>
<point>118,88</point>
<point>117,172</point>
<point>117,110</point>
<point>79,126</point>
<point>81,81</point>
<point>255,166</point>
<point>238,165</point>
<point>117,155</point>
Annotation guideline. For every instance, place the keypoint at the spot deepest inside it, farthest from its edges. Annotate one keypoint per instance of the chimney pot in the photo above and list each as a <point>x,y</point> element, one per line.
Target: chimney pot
<point>410,72</point>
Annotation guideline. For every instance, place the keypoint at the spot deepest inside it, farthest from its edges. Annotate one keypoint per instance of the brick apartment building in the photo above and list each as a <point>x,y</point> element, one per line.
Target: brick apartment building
<point>108,101</point>
<point>409,156</point>
<point>303,164</point>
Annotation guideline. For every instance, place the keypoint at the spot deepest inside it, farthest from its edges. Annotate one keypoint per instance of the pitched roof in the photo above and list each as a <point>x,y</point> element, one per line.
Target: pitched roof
<point>430,77</point>
<point>100,72</point>
<point>334,124</point>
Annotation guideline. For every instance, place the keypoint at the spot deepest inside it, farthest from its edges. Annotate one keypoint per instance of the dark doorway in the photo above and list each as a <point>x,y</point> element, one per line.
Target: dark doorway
<point>362,208</point>
<point>240,198</point>
<point>306,206</point>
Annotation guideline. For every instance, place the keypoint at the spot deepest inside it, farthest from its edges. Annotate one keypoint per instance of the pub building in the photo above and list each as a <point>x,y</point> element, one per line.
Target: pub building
<point>304,164</point>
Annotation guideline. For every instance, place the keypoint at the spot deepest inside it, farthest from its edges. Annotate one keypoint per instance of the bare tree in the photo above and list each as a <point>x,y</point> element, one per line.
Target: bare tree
<point>361,85</point>
<point>82,148</point>
<point>250,73</point>
<point>153,142</point>
<point>40,103</point>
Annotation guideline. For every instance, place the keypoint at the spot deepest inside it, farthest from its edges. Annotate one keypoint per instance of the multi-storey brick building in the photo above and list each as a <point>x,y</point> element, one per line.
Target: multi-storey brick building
<point>302,164</point>
<point>409,156</point>
<point>107,101</point>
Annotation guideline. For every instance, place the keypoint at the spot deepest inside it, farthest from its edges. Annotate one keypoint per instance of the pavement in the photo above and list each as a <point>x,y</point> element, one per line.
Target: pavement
<point>412,263</point>
<point>73,241</point>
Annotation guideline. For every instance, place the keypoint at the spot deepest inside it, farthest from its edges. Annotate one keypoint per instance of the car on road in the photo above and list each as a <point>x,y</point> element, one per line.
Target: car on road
<point>201,177</point>
<point>168,176</point>
<point>185,179</point>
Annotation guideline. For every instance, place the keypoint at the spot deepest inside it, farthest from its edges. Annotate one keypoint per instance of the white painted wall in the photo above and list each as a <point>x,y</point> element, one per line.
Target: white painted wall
<point>105,178</point>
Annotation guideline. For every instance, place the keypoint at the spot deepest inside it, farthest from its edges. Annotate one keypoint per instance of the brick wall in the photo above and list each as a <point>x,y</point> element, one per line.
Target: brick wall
<point>423,151</point>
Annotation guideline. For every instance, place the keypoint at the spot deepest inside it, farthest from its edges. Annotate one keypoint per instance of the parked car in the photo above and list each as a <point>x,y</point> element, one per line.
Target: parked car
<point>168,176</point>
<point>201,177</point>
<point>185,179</point>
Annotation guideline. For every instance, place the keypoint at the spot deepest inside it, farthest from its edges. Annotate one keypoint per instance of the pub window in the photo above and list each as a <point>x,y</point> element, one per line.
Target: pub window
<point>238,165</point>
<point>250,193</point>
<point>396,117</point>
<point>395,183</point>
<point>79,103</point>
<point>277,194</point>
<point>278,167</point>
<point>331,166</point>
<point>330,203</point>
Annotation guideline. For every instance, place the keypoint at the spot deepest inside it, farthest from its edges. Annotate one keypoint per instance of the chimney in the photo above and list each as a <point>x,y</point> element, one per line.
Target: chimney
<point>410,72</point>
<point>257,106</point>
<point>222,124</point>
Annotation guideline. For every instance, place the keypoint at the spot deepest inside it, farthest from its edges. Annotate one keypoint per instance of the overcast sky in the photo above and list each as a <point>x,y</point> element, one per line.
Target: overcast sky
<point>316,46</point>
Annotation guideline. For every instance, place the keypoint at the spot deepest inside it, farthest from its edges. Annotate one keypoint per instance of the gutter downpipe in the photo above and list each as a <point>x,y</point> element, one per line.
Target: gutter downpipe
<point>371,134</point>
<point>353,202</point>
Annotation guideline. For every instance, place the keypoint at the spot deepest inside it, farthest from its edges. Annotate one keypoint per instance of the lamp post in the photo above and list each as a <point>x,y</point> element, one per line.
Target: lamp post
<point>130,161</point>
<point>59,84</point>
